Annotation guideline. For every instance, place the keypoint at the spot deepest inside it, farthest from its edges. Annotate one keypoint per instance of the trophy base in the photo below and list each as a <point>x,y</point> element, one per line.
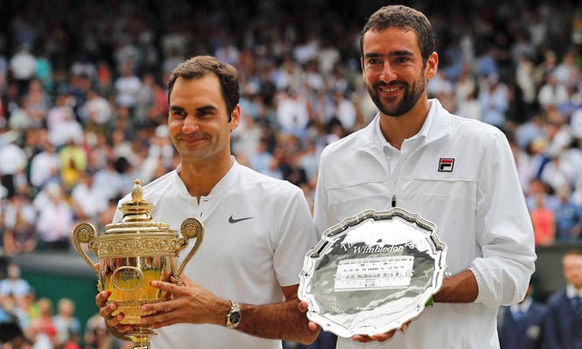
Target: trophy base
<point>140,337</point>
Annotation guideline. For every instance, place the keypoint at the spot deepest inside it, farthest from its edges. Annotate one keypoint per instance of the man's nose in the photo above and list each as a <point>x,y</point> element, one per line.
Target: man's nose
<point>388,73</point>
<point>190,124</point>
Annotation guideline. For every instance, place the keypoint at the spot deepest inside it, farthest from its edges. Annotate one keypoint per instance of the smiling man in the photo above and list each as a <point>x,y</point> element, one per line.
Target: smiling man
<point>240,288</point>
<point>456,172</point>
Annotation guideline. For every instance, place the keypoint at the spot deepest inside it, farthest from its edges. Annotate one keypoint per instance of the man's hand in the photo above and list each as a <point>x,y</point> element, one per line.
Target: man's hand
<point>185,303</point>
<point>106,311</point>
<point>303,307</point>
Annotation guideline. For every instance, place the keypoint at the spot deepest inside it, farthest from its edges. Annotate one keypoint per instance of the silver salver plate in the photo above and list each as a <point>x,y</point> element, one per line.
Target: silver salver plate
<point>373,272</point>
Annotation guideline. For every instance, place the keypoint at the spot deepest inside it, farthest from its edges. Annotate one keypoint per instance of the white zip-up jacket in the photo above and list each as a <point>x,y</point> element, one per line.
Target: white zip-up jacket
<point>460,174</point>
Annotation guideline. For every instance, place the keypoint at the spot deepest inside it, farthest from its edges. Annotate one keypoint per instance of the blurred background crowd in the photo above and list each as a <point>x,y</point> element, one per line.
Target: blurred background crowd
<point>83,98</point>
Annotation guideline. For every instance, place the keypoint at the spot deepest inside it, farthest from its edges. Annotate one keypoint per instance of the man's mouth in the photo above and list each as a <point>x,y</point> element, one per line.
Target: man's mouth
<point>390,89</point>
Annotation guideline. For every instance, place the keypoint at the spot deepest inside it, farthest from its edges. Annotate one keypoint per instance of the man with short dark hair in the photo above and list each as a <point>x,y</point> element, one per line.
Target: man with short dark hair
<point>240,288</point>
<point>457,172</point>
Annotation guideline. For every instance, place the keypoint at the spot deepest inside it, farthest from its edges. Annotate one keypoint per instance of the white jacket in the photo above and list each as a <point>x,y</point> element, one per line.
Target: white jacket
<point>460,174</point>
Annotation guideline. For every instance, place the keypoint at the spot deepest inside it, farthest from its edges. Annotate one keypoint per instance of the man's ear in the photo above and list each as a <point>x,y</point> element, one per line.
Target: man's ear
<point>432,65</point>
<point>235,118</point>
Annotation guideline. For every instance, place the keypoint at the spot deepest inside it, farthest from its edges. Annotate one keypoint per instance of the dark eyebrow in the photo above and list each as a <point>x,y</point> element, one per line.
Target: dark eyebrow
<point>176,108</point>
<point>399,53</point>
<point>206,109</point>
<point>203,109</point>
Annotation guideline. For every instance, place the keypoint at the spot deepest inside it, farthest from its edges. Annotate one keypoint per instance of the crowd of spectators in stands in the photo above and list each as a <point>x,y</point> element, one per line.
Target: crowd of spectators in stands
<point>28,321</point>
<point>83,99</point>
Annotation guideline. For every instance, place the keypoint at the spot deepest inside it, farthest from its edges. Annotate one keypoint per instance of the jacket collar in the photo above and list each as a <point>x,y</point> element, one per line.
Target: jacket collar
<point>436,126</point>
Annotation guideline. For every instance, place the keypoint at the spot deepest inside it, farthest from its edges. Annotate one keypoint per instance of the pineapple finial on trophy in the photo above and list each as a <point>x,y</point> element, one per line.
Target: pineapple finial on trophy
<point>137,209</point>
<point>137,193</point>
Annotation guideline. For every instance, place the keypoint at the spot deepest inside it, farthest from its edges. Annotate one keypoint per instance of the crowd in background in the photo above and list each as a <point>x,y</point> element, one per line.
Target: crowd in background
<point>84,103</point>
<point>28,321</point>
<point>83,99</point>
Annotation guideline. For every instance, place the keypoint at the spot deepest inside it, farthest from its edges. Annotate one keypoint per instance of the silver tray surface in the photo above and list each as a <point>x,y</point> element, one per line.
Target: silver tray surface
<point>372,272</point>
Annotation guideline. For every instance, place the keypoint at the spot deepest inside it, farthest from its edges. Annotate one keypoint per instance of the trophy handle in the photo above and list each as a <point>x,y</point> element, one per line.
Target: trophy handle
<point>85,233</point>
<point>191,228</point>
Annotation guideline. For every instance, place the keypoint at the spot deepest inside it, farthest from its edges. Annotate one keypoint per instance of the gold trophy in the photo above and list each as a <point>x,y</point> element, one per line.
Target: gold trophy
<point>134,252</point>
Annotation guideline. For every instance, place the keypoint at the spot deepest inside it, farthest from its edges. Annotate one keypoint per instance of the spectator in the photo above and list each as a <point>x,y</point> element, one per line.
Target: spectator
<point>36,103</point>
<point>292,114</point>
<point>42,330</point>
<point>55,221</point>
<point>127,88</point>
<point>552,93</point>
<point>566,72</point>
<point>19,225</point>
<point>44,70</point>
<point>62,124</point>
<point>109,180</point>
<point>11,334</point>
<point>66,322</point>
<point>345,110</point>
<point>73,161</point>
<point>264,162</point>
<point>14,284</point>
<point>97,336</point>
<point>87,200</point>
<point>543,221</point>
<point>45,166</point>
<point>568,217</point>
<point>520,326</point>
<point>494,100</point>
<point>97,110</point>
<point>13,164</point>
<point>564,319</point>
<point>23,68</point>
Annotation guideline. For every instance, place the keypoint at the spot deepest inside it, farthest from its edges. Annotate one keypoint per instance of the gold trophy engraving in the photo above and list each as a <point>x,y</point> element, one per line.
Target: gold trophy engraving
<point>134,252</point>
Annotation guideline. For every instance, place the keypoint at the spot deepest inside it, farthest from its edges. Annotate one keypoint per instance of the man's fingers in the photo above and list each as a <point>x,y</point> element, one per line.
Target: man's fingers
<point>168,287</point>
<point>101,298</point>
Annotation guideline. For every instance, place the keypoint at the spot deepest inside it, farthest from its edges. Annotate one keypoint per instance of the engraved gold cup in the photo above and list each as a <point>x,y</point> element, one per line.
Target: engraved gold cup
<point>134,252</point>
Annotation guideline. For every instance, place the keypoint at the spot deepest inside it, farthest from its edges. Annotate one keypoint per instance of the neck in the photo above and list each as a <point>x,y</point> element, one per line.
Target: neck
<point>398,128</point>
<point>200,178</point>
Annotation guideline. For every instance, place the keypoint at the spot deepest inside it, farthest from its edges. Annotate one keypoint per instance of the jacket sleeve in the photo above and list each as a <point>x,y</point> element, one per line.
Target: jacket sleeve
<point>321,214</point>
<point>504,229</point>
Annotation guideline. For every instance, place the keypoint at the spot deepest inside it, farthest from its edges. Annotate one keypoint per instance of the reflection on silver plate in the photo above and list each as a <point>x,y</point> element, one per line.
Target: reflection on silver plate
<point>372,272</point>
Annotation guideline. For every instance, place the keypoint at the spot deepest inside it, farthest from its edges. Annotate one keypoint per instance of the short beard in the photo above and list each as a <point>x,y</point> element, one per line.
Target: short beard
<point>411,97</point>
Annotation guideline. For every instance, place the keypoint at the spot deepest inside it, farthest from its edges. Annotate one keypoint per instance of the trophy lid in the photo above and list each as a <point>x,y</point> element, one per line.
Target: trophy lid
<point>136,209</point>
<point>136,214</point>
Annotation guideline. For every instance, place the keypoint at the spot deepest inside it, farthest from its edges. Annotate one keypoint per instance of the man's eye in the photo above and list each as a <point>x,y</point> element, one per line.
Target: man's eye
<point>178,114</point>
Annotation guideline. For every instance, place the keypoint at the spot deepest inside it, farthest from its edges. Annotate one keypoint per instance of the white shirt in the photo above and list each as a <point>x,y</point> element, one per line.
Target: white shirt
<point>55,221</point>
<point>43,166</point>
<point>572,292</point>
<point>478,207</point>
<point>247,261</point>
<point>12,159</point>
<point>23,65</point>
<point>92,200</point>
<point>98,109</point>
<point>292,113</point>
<point>127,89</point>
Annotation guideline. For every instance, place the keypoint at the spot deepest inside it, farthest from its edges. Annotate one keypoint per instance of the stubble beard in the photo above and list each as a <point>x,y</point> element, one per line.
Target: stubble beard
<point>409,100</point>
